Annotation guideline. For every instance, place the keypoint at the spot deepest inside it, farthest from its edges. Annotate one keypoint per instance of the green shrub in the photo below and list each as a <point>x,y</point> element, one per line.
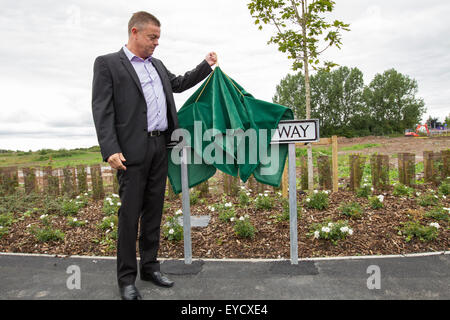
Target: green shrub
<point>47,234</point>
<point>444,188</point>
<point>7,219</point>
<point>376,202</point>
<point>194,197</point>
<point>413,229</point>
<point>69,207</point>
<point>3,231</point>
<point>264,202</point>
<point>172,230</point>
<point>285,214</point>
<point>74,222</point>
<point>439,213</point>
<point>428,199</point>
<point>318,200</point>
<point>111,205</point>
<point>332,231</point>
<point>351,209</point>
<point>402,190</point>
<point>364,192</point>
<point>244,228</point>
<point>244,198</point>
<point>225,211</point>
<point>109,222</point>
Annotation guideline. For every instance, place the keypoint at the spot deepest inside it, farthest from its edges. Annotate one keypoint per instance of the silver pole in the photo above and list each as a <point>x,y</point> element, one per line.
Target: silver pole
<point>186,207</point>
<point>293,204</point>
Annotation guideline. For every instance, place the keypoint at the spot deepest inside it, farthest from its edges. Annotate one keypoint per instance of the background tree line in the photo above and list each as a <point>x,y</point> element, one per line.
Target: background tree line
<point>345,106</point>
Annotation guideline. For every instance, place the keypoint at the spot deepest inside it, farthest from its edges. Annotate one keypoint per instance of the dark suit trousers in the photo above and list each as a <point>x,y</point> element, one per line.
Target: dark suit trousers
<point>141,191</point>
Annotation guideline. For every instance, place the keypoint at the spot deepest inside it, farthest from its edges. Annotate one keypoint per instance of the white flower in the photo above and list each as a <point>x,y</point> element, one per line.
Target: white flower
<point>316,234</point>
<point>325,229</point>
<point>232,219</point>
<point>75,219</point>
<point>248,194</point>
<point>119,203</point>
<point>28,226</point>
<point>327,191</point>
<point>43,216</point>
<point>107,231</point>
<point>108,199</point>
<point>371,189</point>
<point>330,224</point>
<point>211,208</point>
<point>112,224</point>
<point>178,212</point>
<point>443,196</point>
<point>315,191</point>
<point>259,194</point>
<point>344,229</point>
<point>115,195</point>
<point>228,204</point>
<point>171,231</point>
<point>242,218</point>
<point>78,197</point>
<point>435,224</point>
<point>242,188</point>
<point>246,216</point>
<point>265,194</point>
<point>308,199</point>
<point>350,231</point>
<point>85,194</point>
<point>381,198</point>
<point>448,209</point>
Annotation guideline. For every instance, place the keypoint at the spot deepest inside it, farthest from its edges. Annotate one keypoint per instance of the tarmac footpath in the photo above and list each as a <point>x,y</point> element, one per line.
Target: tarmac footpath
<point>417,276</point>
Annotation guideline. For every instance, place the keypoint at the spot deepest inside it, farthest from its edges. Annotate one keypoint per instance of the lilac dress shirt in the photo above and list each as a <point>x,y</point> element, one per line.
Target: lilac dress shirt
<point>153,91</point>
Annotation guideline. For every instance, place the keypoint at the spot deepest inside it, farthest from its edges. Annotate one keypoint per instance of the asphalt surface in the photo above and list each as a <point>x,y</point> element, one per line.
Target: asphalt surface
<point>94,278</point>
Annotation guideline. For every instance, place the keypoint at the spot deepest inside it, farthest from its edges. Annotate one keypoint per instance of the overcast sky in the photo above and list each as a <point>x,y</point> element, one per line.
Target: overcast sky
<point>49,46</point>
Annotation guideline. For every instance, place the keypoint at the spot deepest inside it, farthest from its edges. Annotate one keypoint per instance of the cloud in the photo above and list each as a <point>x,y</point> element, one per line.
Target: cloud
<point>50,46</point>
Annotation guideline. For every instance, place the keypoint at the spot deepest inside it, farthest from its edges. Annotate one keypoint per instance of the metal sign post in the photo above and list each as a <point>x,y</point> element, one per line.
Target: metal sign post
<point>291,132</point>
<point>186,206</point>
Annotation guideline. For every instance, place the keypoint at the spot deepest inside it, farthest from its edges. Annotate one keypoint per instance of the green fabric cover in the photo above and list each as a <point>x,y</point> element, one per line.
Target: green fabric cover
<point>221,103</point>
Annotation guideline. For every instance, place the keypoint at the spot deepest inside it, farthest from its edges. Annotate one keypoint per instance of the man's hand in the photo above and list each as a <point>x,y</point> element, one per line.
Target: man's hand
<point>211,58</point>
<point>115,161</point>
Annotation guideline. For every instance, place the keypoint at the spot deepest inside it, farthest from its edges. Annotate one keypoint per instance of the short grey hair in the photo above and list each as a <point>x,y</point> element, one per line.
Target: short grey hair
<point>140,19</point>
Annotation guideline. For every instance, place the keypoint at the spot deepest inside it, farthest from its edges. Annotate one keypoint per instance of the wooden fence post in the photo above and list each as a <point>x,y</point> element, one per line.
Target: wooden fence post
<point>9,180</point>
<point>29,179</point>
<point>379,166</point>
<point>407,168</point>
<point>68,188</point>
<point>445,154</point>
<point>82,179</point>
<point>97,182</point>
<point>357,163</point>
<point>324,168</point>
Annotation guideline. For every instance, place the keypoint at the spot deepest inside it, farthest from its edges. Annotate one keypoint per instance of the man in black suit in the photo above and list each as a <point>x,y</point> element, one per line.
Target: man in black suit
<point>134,114</point>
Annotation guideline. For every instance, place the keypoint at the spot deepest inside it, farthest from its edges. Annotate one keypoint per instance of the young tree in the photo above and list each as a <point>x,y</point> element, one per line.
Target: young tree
<point>300,29</point>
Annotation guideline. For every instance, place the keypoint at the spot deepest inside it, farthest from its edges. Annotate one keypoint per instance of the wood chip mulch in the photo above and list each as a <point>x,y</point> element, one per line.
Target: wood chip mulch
<point>376,233</point>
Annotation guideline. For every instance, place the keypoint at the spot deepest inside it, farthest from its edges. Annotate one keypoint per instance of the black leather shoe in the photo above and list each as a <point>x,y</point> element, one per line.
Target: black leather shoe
<point>157,278</point>
<point>130,292</point>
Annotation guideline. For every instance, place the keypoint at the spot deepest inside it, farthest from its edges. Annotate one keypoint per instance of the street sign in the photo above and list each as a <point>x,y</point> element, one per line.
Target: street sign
<point>290,131</point>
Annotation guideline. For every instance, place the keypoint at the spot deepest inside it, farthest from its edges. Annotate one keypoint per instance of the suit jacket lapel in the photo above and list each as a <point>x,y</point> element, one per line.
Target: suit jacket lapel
<point>130,70</point>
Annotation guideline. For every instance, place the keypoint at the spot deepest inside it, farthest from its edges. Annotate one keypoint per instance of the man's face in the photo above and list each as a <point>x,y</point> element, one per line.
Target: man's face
<point>147,39</point>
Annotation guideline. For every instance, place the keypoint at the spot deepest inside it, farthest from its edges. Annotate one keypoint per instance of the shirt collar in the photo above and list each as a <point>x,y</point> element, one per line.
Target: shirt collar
<point>130,55</point>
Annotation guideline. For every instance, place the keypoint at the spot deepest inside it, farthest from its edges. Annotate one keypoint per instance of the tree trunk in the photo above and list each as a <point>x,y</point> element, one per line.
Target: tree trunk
<point>308,100</point>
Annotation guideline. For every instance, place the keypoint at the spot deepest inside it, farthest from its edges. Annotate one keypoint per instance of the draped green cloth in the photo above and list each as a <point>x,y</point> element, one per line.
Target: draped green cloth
<point>218,117</point>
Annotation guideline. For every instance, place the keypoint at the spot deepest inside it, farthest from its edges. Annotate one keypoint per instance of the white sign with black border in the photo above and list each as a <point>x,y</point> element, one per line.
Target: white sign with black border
<point>290,131</point>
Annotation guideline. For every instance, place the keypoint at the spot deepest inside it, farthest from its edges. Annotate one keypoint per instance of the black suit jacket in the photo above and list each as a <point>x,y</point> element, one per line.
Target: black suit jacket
<point>119,108</point>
